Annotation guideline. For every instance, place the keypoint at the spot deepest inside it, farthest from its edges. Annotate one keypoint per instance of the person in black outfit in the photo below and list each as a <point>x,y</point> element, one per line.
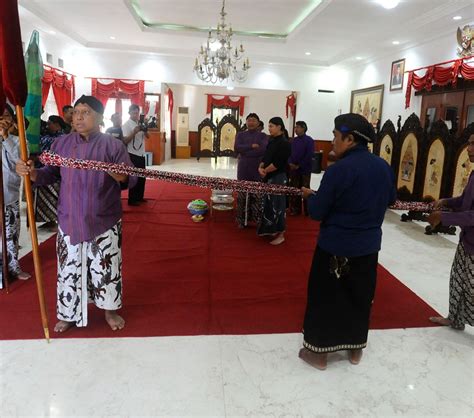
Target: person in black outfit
<point>272,169</point>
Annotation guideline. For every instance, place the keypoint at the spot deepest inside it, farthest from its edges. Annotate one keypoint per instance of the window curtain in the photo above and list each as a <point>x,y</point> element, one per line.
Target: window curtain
<point>440,75</point>
<point>234,102</point>
<point>119,89</point>
<point>290,104</point>
<point>63,88</point>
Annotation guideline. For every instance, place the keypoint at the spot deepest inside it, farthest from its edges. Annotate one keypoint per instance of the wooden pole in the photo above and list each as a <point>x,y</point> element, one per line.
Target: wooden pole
<point>4,232</point>
<point>32,222</point>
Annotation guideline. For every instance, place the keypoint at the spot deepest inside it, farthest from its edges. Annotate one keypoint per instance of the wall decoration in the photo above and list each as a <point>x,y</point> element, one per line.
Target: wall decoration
<point>408,159</point>
<point>434,171</point>
<point>386,149</point>
<point>463,171</point>
<point>465,41</point>
<point>396,75</point>
<point>368,103</point>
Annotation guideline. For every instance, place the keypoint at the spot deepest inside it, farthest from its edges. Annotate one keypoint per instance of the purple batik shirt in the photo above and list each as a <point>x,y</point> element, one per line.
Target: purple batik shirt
<point>250,158</point>
<point>302,150</point>
<point>462,215</point>
<point>89,201</point>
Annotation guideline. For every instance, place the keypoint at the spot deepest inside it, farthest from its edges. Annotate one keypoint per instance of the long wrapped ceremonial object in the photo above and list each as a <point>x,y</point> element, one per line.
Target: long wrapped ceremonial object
<point>215,183</point>
<point>413,206</point>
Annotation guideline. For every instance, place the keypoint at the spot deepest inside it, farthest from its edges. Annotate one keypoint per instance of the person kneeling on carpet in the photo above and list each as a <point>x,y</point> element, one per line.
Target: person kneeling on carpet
<point>350,204</point>
<point>89,217</point>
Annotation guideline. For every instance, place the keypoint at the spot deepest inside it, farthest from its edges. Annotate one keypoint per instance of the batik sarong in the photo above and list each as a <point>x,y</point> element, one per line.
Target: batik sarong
<point>249,208</point>
<point>273,219</point>
<point>90,271</point>
<point>339,301</point>
<point>461,289</point>
<point>12,235</point>
<point>46,203</point>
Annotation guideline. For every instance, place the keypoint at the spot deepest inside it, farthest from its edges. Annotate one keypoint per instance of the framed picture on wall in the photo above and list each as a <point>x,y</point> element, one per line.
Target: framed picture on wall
<point>368,103</point>
<point>396,75</point>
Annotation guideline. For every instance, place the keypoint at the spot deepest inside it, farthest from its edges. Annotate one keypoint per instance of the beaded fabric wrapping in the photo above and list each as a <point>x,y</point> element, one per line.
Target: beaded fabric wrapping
<point>214,183</point>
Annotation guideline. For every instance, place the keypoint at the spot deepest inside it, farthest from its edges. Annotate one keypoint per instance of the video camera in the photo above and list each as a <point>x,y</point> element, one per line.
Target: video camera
<point>142,124</point>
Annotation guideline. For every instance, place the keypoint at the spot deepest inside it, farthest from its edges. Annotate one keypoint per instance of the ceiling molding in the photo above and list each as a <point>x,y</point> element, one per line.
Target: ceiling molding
<point>309,18</point>
<point>175,28</point>
<point>33,8</point>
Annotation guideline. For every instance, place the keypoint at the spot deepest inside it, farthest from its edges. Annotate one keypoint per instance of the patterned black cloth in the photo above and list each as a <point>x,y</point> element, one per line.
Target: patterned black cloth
<point>340,295</point>
<point>273,219</point>
<point>461,289</point>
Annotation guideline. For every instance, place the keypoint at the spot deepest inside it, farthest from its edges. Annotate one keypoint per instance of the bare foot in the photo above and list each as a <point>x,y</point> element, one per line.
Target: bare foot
<point>63,326</point>
<point>318,360</point>
<point>280,238</point>
<point>115,321</point>
<point>440,321</point>
<point>23,276</point>
<point>355,356</point>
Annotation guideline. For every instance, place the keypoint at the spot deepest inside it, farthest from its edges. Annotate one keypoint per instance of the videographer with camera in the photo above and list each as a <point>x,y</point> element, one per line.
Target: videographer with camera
<point>134,133</point>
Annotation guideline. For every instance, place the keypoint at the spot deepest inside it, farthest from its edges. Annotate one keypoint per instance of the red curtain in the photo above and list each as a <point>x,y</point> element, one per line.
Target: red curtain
<point>437,74</point>
<point>63,87</point>
<point>13,84</point>
<point>170,106</point>
<point>291,104</point>
<point>234,102</point>
<point>119,89</point>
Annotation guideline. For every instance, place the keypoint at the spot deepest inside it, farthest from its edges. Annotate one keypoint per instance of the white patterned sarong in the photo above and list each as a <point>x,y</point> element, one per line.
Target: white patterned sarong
<point>90,271</point>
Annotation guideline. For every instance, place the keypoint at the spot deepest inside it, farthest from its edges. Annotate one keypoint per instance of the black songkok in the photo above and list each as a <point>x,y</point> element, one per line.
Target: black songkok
<point>92,102</point>
<point>357,125</point>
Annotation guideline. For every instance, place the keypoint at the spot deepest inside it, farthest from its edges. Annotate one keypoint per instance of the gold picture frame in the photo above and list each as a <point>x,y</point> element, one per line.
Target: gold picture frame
<point>368,103</point>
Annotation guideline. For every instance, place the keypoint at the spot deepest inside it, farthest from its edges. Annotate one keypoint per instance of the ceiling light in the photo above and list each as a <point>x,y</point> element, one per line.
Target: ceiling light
<point>358,58</point>
<point>388,4</point>
<point>396,42</point>
<point>52,32</point>
<point>457,17</point>
<point>112,37</point>
<point>218,60</point>
<point>307,53</point>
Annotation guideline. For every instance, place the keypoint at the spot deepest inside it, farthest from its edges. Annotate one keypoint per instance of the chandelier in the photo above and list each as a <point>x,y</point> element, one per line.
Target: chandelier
<point>218,60</point>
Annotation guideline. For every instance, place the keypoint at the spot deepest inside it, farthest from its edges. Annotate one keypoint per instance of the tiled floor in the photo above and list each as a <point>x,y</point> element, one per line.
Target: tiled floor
<point>412,372</point>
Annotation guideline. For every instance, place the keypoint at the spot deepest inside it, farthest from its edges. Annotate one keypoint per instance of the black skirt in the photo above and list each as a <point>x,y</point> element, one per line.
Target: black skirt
<point>340,295</point>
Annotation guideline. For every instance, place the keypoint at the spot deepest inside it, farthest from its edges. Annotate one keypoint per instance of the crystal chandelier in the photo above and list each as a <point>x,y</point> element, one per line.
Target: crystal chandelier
<point>218,60</point>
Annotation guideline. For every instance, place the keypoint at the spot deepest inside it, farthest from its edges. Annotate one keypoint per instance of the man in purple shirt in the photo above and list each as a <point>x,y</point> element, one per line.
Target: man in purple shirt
<point>461,283</point>
<point>302,149</point>
<point>250,146</point>
<point>89,217</point>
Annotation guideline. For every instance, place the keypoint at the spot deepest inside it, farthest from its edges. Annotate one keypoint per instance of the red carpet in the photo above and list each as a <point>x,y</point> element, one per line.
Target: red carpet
<point>182,278</point>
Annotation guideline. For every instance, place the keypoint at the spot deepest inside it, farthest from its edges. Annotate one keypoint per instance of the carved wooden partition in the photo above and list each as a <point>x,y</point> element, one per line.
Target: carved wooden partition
<point>385,144</point>
<point>461,165</point>
<point>207,139</point>
<point>406,159</point>
<point>226,133</point>
<point>435,163</point>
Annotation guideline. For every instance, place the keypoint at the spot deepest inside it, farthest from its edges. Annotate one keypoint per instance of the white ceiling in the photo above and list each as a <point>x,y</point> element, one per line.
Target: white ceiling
<point>333,31</point>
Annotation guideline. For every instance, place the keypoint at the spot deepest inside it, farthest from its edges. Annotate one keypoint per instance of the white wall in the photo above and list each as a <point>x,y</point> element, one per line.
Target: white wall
<point>266,103</point>
<point>378,72</point>
<point>317,109</point>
